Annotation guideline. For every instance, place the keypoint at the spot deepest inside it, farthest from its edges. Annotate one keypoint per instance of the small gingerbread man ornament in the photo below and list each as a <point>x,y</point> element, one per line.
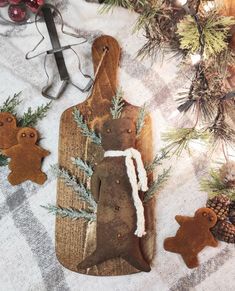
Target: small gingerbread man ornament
<point>8,130</point>
<point>26,158</point>
<point>193,236</point>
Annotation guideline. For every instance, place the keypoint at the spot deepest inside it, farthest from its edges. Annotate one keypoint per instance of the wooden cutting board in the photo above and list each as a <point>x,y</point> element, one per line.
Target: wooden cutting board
<point>75,240</point>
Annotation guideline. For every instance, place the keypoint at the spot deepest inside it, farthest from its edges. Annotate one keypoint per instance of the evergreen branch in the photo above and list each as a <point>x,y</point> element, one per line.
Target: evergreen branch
<point>70,212</point>
<point>118,104</point>
<point>215,186</point>
<point>78,117</point>
<point>157,161</point>
<point>157,185</point>
<point>109,5</point>
<point>10,104</point>
<point>3,160</point>
<point>141,119</point>
<point>79,188</point>
<point>30,118</point>
<point>82,165</point>
<point>180,138</point>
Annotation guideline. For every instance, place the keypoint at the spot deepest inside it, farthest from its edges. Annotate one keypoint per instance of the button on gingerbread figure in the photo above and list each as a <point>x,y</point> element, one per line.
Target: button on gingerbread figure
<point>26,158</point>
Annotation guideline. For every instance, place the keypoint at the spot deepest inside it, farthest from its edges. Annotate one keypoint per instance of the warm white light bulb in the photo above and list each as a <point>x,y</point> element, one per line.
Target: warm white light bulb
<point>183,2</point>
<point>209,6</point>
<point>195,59</point>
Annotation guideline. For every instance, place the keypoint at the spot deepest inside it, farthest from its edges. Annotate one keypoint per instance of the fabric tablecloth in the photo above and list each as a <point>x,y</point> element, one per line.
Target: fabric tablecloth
<point>27,255</point>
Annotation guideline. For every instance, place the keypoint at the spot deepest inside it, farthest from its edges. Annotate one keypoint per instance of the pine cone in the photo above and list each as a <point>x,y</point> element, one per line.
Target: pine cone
<point>227,174</point>
<point>224,231</point>
<point>220,205</point>
<point>232,213</point>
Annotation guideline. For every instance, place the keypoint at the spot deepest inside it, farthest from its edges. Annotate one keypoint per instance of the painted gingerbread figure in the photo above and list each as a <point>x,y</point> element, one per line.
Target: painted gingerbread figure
<point>193,236</point>
<point>114,185</point>
<point>8,130</point>
<point>26,158</point>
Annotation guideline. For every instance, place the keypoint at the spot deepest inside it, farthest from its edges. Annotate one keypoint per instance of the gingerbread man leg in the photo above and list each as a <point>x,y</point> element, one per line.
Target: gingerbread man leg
<point>135,258</point>
<point>170,245</point>
<point>96,258</point>
<point>39,178</point>
<point>191,261</point>
<point>15,178</point>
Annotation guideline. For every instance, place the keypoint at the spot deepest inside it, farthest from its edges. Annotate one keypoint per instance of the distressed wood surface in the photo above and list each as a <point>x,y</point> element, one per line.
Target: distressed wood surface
<point>75,240</point>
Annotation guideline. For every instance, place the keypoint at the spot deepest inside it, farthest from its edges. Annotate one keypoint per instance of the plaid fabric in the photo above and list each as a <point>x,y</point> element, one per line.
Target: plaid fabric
<point>27,257</point>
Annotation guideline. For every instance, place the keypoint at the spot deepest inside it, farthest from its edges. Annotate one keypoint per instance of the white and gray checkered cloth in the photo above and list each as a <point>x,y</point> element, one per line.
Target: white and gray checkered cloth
<point>27,256</point>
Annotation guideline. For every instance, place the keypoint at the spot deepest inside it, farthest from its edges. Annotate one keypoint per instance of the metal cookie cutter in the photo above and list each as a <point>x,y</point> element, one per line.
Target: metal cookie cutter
<point>48,12</point>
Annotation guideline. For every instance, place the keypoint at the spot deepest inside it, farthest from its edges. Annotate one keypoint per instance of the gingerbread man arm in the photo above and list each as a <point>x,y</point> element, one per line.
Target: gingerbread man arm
<point>212,241</point>
<point>95,185</point>
<point>43,152</point>
<point>181,219</point>
<point>9,152</point>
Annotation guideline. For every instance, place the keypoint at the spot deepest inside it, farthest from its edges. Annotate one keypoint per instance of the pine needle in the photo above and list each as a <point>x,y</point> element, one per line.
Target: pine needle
<point>214,186</point>
<point>3,160</point>
<point>11,103</point>
<point>82,165</point>
<point>80,189</point>
<point>118,104</point>
<point>70,212</point>
<point>109,5</point>
<point>78,117</point>
<point>141,119</point>
<point>179,139</point>
<point>215,31</point>
<point>157,161</point>
<point>157,185</point>
<point>30,118</point>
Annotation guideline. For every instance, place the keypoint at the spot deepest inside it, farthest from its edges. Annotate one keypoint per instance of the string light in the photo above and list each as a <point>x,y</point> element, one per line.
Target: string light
<point>209,6</point>
<point>195,59</point>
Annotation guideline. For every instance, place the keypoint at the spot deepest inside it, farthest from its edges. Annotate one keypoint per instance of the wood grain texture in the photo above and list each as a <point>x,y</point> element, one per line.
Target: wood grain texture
<point>75,240</point>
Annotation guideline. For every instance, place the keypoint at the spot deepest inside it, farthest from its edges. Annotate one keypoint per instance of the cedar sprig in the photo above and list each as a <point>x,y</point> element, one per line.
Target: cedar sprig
<point>83,165</point>
<point>79,188</point>
<point>141,119</point>
<point>157,185</point>
<point>11,104</point>
<point>70,212</point>
<point>214,186</point>
<point>179,139</point>
<point>30,117</point>
<point>85,130</point>
<point>117,104</point>
<point>157,161</point>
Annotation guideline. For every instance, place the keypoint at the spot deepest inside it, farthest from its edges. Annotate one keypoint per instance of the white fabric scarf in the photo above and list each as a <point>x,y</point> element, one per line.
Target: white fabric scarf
<point>131,154</point>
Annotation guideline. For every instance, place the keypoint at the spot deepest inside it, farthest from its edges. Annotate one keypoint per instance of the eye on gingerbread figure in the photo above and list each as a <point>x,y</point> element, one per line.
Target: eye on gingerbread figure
<point>114,185</point>
<point>26,158</point>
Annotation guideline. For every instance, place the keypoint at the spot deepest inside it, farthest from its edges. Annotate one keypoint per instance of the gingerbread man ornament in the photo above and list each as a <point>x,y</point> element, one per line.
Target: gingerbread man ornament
<point>193,236</point>
<point>26,158</point>
<point>8,130</point>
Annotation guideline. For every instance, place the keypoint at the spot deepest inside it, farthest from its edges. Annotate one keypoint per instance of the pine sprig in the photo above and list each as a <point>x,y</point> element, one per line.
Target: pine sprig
<point>157,161</point>
<point>85,130</point>
<point>215,31</point>
<point>157,185</point>
<point>118,104</point>
<point>3,160</point>
<point>141,119</point>
<point>179,139</point>
<point>109,5</point>
<point>70,212</point>
<point>79,188</point>
<point>215,186</point>
<point>11,103</point>
<point>82,165</point>
<point>30,118</point>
